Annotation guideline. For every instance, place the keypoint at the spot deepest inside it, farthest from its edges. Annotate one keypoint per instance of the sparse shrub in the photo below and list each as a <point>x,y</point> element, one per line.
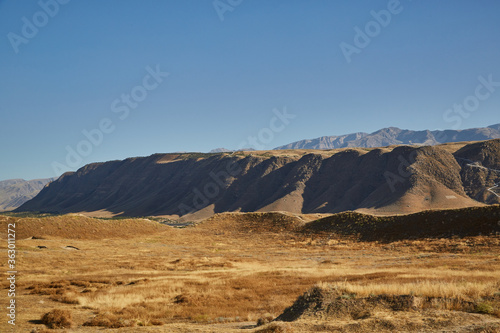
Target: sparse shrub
<point>484,307</point>
<point>348,296</point>
<point>58,284</point>
<point>109,320</point>
<point>201,318</point>
<point>277,328</point>
<point>98,321</point>
<point>187,299</point>
<point>153,322</point>
<point>57,319</point>
<point>361,314</point>
<point>483,329</point>
<point>84,284</point>
<point>180,299</point>
<point>88,290</point>
<point>156,322</point>
<point>37,330</point>
<point>267,318</point>
<point>386,324</point>
<point>64,299</point>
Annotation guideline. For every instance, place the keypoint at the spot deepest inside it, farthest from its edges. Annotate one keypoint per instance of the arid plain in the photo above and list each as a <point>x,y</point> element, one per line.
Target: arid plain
<point>235,272</point>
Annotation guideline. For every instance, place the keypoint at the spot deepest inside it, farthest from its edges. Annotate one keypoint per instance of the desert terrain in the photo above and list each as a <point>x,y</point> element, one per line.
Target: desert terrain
<point>257,272</point>
<point>233,166</point>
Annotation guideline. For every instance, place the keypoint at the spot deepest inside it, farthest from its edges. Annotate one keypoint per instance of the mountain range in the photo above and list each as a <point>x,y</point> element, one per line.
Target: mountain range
<point>389,180</point>
<point>15,192</point>
<point>396,136</point>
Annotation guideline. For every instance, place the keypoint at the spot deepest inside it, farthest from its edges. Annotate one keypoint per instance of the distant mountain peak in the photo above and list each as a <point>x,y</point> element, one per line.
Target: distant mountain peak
<point>220,150</point>
<point>15,192</point>
<point>395,136</point>
<point>496,126</point>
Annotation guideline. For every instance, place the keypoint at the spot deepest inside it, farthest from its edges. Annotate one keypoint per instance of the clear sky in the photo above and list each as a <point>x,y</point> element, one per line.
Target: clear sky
<point>72,66</point>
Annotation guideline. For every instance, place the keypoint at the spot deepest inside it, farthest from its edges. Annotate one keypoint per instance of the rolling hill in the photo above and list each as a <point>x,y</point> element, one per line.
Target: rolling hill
<point>389,180</point>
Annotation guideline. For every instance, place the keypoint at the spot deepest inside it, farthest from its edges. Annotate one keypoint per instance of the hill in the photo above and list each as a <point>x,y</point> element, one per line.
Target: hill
<point>396,179</point>
<point>15,192</point>
<point>427,224</point>
<point>396,136</point>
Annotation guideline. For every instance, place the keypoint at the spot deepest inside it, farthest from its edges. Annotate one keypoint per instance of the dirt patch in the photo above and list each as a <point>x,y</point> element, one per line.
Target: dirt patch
<point>333,305</point>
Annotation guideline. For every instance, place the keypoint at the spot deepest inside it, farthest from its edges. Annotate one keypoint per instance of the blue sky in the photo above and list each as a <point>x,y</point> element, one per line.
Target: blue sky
<point>227,76</point>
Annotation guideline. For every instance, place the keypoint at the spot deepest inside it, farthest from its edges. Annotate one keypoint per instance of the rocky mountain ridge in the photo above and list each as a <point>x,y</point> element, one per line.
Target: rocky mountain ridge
<point>15,192</point>
<point>389,180</point>
<point>396,136</point>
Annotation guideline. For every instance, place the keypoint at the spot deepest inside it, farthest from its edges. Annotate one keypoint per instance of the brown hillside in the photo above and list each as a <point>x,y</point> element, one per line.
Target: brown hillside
<point>441,223</point>
<point>481,170</point>
<point>398,179</point>
<point>80,227</point>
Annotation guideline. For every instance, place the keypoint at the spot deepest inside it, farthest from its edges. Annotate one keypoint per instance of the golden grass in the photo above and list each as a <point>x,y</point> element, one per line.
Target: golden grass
<point>76,226</point>
<point>209,278</point>
<point>460,289</point>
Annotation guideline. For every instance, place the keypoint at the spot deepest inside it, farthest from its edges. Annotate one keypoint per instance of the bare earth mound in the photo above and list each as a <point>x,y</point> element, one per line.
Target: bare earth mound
<point>276,222</point>
<point>330,309</point>
<point>440,223</point>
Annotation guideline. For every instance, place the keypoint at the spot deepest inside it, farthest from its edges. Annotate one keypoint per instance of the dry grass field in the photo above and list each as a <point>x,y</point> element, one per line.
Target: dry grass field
<point>236,272</point>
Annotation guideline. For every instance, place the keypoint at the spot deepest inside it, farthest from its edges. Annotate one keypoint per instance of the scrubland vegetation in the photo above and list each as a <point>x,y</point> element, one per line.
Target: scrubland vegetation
<point>239,272</point>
